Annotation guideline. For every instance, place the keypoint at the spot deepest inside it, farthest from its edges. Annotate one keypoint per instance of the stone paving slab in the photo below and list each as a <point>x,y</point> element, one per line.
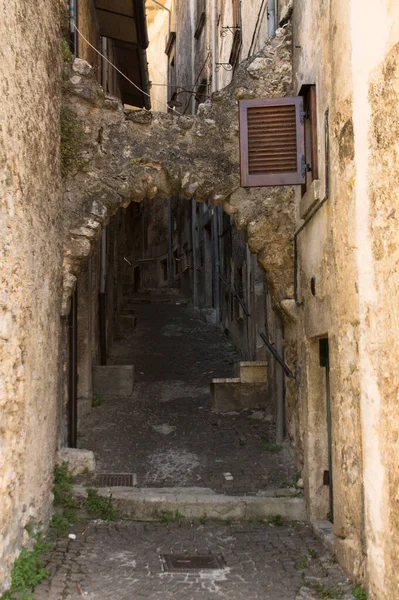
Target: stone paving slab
<point>167,433</point>
<point>122,561</point>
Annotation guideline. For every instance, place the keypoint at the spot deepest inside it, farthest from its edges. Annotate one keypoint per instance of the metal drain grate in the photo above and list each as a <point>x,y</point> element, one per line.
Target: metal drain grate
<point>115,480</point>
<point>182,562</point>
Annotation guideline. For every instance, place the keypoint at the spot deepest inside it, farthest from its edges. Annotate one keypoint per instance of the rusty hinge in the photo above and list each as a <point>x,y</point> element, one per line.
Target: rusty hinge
<point>305,167</point>
<point>304,114</point>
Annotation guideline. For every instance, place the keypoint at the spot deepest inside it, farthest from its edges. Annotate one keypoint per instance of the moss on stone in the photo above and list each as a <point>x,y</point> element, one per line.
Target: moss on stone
<point>67,55</point>
<point>72,136</point>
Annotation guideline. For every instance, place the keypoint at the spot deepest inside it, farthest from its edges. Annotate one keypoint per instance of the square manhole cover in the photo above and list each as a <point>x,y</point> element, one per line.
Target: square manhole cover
<point>183,562</point>
<point>115,480</point>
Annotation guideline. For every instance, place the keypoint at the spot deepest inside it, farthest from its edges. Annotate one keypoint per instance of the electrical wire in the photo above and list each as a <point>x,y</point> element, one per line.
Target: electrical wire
<point>125,76</point>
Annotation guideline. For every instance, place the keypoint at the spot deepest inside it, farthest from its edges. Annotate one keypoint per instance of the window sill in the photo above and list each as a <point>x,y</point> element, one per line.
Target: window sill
<point>310,199</point>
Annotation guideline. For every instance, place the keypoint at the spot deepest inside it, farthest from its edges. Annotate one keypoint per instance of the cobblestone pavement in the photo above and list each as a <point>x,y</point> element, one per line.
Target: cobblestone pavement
<point>122,561</point>
<point>166,433</point>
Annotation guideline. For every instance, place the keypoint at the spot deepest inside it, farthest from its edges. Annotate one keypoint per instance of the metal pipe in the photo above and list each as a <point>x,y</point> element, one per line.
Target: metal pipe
<point>104,64</point>
<point>194,250</point>
<point>73,373</point>
<point>280,417</point>
<point>217,261</point>
<point>214,45</point>
<point>278,358</point>
<point>73,23</point>
<point>271,17</point>
<point>170,241</point>
<point>102,299</point>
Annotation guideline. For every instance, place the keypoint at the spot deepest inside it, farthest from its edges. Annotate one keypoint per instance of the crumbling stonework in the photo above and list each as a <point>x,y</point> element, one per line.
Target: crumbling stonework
<point>132,155</point>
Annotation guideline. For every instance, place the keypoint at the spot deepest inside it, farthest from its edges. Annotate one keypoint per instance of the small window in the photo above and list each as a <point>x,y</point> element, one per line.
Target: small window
<point>308,92</point>
<point>272,147</point>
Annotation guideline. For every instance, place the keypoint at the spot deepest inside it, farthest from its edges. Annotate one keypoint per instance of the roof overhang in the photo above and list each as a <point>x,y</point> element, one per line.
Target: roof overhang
<point>124,22</point>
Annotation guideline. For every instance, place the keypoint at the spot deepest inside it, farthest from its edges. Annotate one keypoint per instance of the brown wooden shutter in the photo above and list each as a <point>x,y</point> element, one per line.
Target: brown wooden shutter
<point>272,142</point>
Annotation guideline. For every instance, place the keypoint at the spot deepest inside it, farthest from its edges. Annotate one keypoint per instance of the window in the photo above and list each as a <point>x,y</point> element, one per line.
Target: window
<point>308,93</point>
<point>272,148</point>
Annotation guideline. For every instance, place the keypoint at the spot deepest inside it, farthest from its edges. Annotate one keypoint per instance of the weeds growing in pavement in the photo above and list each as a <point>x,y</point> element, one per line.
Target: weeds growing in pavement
<point>65,503</point>
<point>100,507</point>
<point>167,516</point>
<point>276,520</point>
<point>28,570</point>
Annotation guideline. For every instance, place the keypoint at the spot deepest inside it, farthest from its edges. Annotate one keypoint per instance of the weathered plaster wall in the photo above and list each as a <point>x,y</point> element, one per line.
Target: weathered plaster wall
<point>350,249</point>
<point>30,264</point>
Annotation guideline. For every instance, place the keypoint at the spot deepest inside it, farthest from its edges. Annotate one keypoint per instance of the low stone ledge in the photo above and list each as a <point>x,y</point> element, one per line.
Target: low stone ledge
<point>251,372</point>
<point>230,394</point>
<point>79,461</point>
<point>148,504</point>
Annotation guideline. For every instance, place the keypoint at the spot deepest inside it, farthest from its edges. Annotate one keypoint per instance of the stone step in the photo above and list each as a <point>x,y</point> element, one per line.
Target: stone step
<point>251,372</point>
<point>144,299</point>
<point>230,394</point>
<point>129,289</point>
<point>149,504</point>
<point>113,380</point>
<point>126,322</point>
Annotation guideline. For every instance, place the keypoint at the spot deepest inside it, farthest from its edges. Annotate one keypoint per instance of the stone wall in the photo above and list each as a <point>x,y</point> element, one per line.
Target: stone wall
<point>349,248</point>
<point>30,264</point>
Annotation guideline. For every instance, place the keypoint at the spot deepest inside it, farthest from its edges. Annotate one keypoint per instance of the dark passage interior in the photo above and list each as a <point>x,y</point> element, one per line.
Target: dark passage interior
<point>174,384</point>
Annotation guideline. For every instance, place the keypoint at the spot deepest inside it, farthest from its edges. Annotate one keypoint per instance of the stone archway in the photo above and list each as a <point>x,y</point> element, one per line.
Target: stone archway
<point>113,157</point>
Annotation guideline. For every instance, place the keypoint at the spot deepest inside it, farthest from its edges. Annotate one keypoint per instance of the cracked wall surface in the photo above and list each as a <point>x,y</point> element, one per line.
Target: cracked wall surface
<point>129,156</point>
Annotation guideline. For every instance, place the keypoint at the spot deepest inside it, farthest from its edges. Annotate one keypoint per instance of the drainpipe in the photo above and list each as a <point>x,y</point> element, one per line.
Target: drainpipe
<point>214,45</point>
<point>73,373</point>
<point>102,316</point>
<point>104,66</point>
<point>170,245</point>
<point>73,20</point>
<point>194,250</point>
<point>216,208</point>
<point>217,261</point>
<point>271,17</point>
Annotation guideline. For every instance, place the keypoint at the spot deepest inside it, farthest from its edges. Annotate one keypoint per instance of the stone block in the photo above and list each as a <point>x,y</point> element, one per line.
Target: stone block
<point>126,322</point>
<point>113,380</point>
<point>251,372</point>
<point>84,406</point>
<point>232,395</point>
<point>80,461</point>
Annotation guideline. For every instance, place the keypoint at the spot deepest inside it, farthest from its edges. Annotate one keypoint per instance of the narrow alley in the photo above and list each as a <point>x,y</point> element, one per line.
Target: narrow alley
<point>199,281</point>
<point>166,434</point>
